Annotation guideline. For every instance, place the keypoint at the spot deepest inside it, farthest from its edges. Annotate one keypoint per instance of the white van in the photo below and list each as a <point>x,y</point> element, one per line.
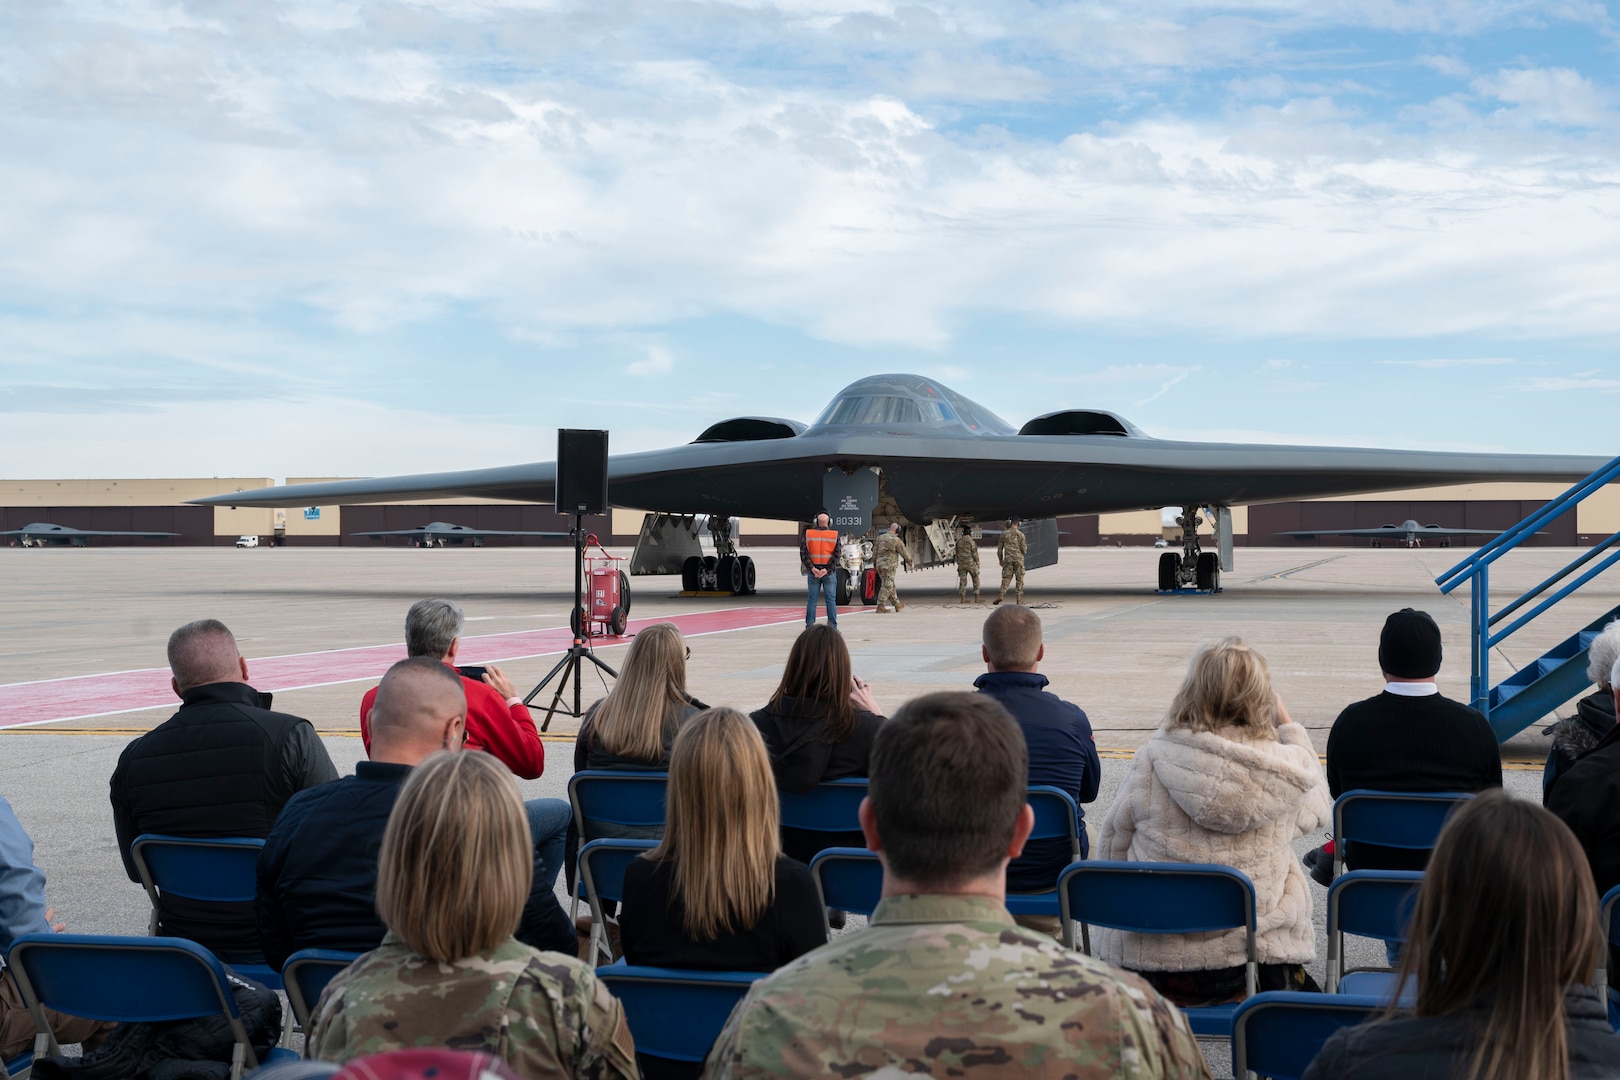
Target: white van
<point>247,541</point>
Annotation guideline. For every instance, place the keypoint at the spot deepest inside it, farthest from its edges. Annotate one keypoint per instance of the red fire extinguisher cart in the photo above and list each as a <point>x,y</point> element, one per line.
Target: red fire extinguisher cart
<point>607,594</point>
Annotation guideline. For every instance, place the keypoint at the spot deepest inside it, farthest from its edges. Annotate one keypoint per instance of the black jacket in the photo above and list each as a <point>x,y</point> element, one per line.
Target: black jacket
<point>1576,735</point>
<point>652,932</point>
<point>1396,743</point>
<point>1587,798</point>
<point>224,765</point>
<point>1437,1048</point>
<point>801,756</point>
<point>318,872</point>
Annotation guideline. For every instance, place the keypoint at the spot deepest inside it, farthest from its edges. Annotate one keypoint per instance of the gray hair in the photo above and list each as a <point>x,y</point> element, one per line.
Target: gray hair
<point>430,626</point>
<point>1602,655</point>
<point>1614,675</point>
<point>204,652</point>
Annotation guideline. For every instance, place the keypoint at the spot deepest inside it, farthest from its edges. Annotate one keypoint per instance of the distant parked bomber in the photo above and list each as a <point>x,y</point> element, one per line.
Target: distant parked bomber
<point>907,449</point>
<point>1407,534</point>
<point>444,533</point>
<point>43,534</point>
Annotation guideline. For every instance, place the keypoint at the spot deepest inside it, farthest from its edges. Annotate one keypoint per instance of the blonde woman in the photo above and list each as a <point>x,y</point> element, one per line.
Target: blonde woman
<point>634,726</point>
<point>454,872</point>
<point>718,893</point>
<point>1228,778</point>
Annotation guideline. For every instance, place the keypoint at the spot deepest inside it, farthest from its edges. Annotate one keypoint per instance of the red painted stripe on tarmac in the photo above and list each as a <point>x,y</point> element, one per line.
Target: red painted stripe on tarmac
<point>82,696</point>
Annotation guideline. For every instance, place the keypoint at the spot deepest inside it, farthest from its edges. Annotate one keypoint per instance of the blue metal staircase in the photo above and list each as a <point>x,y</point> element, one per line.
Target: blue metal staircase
<point>1560,674</point>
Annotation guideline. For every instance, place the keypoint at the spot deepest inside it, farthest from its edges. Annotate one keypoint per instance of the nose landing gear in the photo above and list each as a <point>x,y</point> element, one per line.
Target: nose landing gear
<point>1194,570</point>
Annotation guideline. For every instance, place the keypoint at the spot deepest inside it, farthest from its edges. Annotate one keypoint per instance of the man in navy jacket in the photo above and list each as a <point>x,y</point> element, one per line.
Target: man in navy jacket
<point>1062,752</point>
<point>317,876</point>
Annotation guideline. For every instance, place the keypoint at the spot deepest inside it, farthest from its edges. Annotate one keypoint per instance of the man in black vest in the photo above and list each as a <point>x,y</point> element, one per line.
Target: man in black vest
<point>223,765</point>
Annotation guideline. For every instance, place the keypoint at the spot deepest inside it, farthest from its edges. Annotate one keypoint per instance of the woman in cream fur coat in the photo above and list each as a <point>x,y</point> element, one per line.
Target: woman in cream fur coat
<point>1230,779</point>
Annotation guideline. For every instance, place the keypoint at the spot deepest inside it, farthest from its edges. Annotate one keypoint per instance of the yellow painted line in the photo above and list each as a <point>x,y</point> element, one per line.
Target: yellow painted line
<point>1522,764</point>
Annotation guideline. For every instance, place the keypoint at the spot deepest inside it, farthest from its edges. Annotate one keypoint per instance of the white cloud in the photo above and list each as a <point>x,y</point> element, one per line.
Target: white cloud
<point>658,361</point>
<point>1558,384</point>
<point>1476,361</point>
<point>1549,95</point>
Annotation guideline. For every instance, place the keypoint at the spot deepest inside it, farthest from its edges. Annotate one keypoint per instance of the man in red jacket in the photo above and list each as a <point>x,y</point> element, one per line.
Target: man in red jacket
<point>497,720</point>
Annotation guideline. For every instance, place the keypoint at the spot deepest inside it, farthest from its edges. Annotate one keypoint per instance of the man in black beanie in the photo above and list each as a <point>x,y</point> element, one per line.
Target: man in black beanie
<point>1409,738</point>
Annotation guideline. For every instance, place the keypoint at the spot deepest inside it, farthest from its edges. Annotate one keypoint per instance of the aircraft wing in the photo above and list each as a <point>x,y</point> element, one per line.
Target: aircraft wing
<point>935,476</point>
<point>68,535</point>
<point>1426,530</point>
<point>456,532</point>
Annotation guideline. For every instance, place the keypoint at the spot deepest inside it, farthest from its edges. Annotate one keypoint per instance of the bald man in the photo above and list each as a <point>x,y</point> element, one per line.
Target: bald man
<point>318,871</point>
<point>224,765</point>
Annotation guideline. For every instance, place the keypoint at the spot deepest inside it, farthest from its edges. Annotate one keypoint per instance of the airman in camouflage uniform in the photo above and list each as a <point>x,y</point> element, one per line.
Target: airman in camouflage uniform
<point>543,1013</point>
<point>887,553</point>
<point>967,565</point>
<point>949,985</point>
<point>1011,549</point>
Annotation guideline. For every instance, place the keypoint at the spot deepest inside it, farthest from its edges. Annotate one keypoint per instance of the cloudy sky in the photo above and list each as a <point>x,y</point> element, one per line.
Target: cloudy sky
<point>283,238</point>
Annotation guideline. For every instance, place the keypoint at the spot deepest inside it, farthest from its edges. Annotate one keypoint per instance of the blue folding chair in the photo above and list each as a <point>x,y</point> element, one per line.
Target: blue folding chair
<point>128,980</point>
<point>602,864</point>
<point>1278,1034</point>
<point>1166,898</point>
<point>1409,820</point>
<point>676,1015</point>
<point>1375,904</point>
<point>305,975</point>
<point>849,879</point>
<point>19,1067</point>
<point>832,806</point>
<point>215,871</point>
<point>617,800</point>
<point>1611,939</point>
<point>1056,817</point>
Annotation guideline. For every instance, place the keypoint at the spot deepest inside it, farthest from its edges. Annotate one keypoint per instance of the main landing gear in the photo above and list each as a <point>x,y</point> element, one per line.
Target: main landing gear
<point>1193,570</point>
<point>725,570</point>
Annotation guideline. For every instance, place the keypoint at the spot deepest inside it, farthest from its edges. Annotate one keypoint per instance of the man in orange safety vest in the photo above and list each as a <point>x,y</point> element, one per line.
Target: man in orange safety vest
<point>819,554</point>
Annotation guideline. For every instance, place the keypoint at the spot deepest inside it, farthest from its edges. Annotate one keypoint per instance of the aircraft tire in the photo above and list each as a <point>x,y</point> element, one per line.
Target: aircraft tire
<point>1169,563</point>
<point>1209,571</point>
<point>729,575</point>
<point>624,594</point>
<point>692,573</point>
<point>845,588</point>
<point>749,575</point>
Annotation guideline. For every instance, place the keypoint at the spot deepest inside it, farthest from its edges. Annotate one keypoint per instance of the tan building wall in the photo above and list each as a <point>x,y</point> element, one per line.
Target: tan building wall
<point>138,492</point>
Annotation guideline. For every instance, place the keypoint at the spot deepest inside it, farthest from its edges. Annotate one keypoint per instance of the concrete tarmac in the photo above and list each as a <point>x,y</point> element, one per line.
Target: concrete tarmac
<point>1113,646</point>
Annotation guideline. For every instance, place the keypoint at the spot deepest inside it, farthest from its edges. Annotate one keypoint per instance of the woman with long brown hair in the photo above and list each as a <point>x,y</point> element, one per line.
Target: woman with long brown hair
<point>1503,946</point>
<point>717,893</point>
<point>818,725</point>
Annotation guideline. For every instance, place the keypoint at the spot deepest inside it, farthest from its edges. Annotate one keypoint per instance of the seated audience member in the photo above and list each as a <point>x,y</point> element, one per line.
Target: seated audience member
<point>223,765</point>
<point>423,1065</point>
<point>943,982</point>
<point>23,911</point>
<point>818,726</point>
<point>1227,779</point>
<point>718,894</point>
<point>1573,736</point>
<point>317,875</point>
<point>634,726</point>
<point>497,720</point>
<point>1062,752</point>
<point>1587,799</point>
<point>1408,738</point>
<point>1502,949</point>
<point>452,878</point>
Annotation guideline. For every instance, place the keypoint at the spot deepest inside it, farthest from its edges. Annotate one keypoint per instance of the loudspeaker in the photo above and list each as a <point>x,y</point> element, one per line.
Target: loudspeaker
<point>582,466</point>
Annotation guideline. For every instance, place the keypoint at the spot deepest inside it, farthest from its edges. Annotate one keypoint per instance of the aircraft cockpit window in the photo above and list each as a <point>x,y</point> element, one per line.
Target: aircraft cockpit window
<point>891,410</point>
<point>843,411</point>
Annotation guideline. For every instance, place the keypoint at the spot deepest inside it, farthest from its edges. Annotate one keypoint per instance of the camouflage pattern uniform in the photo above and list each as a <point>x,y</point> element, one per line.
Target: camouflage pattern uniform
<point>887,552</point>
<point>950,986</point>
<point>967,566</point>
<point>1011,549</point>
<point>542,1013</point>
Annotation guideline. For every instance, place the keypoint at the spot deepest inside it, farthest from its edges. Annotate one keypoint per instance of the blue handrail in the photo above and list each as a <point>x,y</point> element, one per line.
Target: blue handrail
<point>1476,571</point>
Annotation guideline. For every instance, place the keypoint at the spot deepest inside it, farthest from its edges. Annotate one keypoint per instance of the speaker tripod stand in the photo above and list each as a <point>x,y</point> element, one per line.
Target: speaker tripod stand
<point>569,666</point>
